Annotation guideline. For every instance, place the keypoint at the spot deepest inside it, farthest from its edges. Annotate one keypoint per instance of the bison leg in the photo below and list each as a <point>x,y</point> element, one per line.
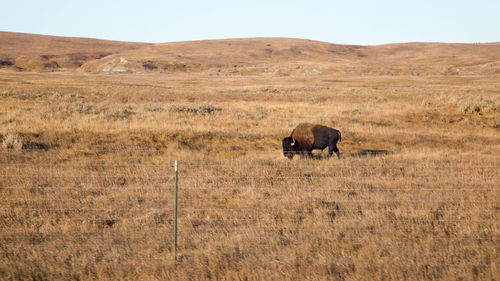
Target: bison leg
<point>332,149</point>
<point>307,153</point>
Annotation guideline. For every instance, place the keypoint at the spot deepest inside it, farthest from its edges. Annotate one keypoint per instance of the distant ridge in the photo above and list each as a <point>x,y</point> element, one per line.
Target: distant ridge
<point>256,56</point>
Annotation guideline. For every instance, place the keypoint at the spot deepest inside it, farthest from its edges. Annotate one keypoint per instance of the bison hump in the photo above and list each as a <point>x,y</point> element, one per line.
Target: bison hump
<point>303,133</point>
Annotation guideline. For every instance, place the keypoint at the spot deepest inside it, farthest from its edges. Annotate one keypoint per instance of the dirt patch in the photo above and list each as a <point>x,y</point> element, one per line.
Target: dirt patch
<point>149,65</point>
<point>78,57</point>
<point>100,56</point>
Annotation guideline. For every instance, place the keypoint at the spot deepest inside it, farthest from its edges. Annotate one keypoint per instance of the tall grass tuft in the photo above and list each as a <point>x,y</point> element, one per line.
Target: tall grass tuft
<point>12,141</point>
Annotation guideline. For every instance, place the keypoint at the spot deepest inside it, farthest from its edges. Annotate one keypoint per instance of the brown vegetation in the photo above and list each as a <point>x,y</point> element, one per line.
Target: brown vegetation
<point>262,56</point>
<point>86,165</point>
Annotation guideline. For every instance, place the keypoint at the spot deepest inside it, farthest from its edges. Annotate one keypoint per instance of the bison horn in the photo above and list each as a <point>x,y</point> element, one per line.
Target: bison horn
<point>293,142</point>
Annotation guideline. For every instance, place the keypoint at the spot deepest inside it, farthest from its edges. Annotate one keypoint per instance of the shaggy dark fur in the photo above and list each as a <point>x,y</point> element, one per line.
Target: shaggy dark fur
<point>306,137</point>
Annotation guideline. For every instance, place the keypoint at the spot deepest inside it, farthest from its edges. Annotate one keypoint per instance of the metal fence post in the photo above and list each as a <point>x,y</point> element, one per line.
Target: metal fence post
<point>175,215</point>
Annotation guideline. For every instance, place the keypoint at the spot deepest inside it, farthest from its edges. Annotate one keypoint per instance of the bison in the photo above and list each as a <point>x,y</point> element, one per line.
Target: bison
<point>306,137</point>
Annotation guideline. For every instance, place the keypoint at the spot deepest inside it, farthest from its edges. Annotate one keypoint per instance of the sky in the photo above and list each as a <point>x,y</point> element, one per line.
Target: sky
<point>343,22</point>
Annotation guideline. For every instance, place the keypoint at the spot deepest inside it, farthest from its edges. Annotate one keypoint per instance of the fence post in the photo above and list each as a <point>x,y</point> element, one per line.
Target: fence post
<point>175,216</point>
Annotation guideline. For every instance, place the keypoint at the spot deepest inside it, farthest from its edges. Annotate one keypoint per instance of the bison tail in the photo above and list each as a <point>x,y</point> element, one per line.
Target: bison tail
<point>340,137</point>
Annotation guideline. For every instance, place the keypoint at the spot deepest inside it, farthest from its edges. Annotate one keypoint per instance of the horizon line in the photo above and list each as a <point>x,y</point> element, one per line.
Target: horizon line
<point>257,37</point>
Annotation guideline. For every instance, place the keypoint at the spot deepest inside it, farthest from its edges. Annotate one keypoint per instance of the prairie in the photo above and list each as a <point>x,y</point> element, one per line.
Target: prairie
<point>87,175</point>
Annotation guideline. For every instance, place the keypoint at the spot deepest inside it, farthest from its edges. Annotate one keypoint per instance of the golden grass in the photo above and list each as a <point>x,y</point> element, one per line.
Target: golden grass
<point>89,195</point>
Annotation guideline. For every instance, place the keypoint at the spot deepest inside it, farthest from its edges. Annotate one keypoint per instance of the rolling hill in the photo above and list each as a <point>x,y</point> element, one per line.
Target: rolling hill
<point>278,56</point>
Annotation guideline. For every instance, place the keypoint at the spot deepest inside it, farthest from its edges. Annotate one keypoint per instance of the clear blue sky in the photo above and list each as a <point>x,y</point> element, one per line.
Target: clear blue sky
<point>345,22</point>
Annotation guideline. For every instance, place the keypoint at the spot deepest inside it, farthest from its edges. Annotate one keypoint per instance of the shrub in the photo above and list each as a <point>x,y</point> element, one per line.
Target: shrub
<point>12,142</point>
<point>477,106</point>
<point>205,109</point>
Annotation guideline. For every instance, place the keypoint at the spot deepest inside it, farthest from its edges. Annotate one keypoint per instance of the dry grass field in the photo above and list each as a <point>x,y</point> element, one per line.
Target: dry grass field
<point>87,153</point>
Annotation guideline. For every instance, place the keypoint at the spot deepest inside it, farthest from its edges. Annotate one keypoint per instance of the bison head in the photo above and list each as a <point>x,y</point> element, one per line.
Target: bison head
<point>289,147</point>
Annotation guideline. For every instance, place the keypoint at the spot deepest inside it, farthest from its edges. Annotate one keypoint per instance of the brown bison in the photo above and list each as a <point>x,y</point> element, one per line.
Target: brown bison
<point>306,137</point>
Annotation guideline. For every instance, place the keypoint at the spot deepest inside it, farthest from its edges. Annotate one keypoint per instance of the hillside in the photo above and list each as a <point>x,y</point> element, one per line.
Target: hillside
<point>29,52</point>
<point>280,56</point>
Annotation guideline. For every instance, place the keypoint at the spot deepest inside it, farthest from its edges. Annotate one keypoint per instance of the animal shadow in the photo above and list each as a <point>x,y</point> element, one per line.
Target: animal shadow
<point>370,152</point>
<point>359,153</point>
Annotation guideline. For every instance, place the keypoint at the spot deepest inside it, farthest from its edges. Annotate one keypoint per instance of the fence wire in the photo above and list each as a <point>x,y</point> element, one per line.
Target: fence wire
<point>209,216</point>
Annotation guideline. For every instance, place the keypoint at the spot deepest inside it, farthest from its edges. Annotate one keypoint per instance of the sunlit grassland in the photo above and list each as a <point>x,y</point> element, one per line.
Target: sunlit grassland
<point>87,192</point>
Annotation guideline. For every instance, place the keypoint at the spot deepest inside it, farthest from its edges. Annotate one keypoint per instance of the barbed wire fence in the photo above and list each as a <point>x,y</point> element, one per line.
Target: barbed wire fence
<point>218,203</point>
